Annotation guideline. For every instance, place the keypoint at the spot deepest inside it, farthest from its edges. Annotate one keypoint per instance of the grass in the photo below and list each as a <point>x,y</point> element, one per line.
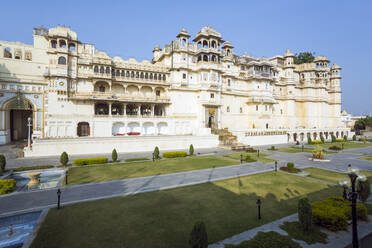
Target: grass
<point>369,158</point>
<point>299,149</point>
<point>78,175</point>
<point>369,208</point>
<point>347,145</point>
<point>253,155</point>
<point>36,167</point>
<point>295,231</point>
<point>136,159</point>
<point>332,176</point>
<point>165,218</point>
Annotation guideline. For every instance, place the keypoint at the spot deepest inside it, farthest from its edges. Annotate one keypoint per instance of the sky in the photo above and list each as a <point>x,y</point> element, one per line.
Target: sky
<point>341,30</point>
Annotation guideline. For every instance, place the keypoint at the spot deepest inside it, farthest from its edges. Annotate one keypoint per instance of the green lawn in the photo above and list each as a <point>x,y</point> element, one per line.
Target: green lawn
<point>253,155</point>
<point>369,158</point>
<point>332,176</point>
<point>347,145</point>
<point>165,218</point>
<point>299,149</point>
<point>99,173</point>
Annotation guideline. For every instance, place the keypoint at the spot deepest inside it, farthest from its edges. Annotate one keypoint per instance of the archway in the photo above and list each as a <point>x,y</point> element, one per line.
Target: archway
<point>20,109</point>
<point>162,128</point>
<point>148,128</point>
<point>118,128</point>
<point>83,129</point>
<point>133,127</point>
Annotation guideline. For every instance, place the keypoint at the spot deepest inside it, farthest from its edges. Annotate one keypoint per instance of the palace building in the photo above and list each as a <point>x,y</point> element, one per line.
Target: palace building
<point>192,86</point>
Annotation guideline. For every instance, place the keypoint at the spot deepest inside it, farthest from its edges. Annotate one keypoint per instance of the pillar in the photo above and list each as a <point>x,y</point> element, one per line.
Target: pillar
<point>124,109</point>
<point>110,108</point>
<point>152,109</point>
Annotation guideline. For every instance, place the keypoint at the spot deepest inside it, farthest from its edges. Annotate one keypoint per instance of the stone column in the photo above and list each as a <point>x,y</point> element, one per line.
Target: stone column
<point>152,109</point>
<point>110,109</point>
<point>124,109</point>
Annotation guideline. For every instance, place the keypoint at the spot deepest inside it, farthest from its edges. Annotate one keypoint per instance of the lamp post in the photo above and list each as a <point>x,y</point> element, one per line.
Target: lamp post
<point>342,146</point>
<point>153,158</point>
<point>241,158</point>
<point>66,176</point>
<point>302,147</point>
<point>354,175</point>
<point>59,198</point>
<point>29,133</point>
<point>259,208</point>
<point>276,165</point>
<point>258,153</point>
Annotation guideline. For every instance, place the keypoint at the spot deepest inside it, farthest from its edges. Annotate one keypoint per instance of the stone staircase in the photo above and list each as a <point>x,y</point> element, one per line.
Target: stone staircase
<point>226,138</point>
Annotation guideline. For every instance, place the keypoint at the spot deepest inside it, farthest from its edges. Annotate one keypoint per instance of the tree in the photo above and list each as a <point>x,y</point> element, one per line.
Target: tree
<point>364,190</point>
<point>156,153</point>
<point>304,57</point>
<point>333,138</point>
<point>191,150</point>
<point>2,163</point>
<point>354,137</point>
<point>309,141</point>
<point>322,138</point>
<point>198,236</point>
<point>63,159</point>
<point>305,213</point>
<point>114,155</point>
<point>345,138</point>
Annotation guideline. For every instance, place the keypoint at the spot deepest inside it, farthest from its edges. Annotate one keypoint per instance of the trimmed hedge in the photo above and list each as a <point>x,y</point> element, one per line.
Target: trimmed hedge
<point>7,186</point>
<point>2,163</point>
<point>174,154</point>
<point>251,149</point>
<point>86,161</point>
<point>335,148</point>
<point>136,159</point>
<point>267,240</point>
<point>340,140</point>
<point>36,167</point>
<point>317,142</point>
<point>333,213</point>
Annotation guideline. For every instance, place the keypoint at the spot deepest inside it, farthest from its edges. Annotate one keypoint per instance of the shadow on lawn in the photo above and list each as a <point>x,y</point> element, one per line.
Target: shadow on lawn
<point>165,218</point>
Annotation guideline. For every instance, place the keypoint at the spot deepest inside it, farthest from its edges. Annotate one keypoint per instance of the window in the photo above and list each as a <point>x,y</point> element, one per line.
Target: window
<point>212,95</point>
<point>107,70</point>
<point>241,110</point>
<point>256,107</point>
<point>228,66</point>
<point>281,111</point>
<point>53,44</point>
<point>62,44</point>
<point>28,55</point>
<point>228,82</point>
<point>157,92</point>
<point>228,109</point>
<point>163,77</point>
<point>71,47</point>
<point>101,70</point>
<point>7,53</point>
<point>265,107</point>
<point>117,73</point>
<point>96,69</point>
<point>184,75</point>
<point>62,60</point>
<point>101,88</point>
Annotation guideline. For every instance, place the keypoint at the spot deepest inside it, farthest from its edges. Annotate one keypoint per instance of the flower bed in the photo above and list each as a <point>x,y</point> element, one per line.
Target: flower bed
<point>7,186</point>
<point>290,170</point>
<point>134,133</point>
<point>335,148</point>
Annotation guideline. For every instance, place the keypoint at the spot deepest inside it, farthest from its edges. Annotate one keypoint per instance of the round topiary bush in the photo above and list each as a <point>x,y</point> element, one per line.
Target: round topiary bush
<point>354,137</point>
<point>198,236</point>
<point>305,213</point>
<point>156,153</point>
<point>64,158</point>
<point>114,155</point>
<point>364,190</point>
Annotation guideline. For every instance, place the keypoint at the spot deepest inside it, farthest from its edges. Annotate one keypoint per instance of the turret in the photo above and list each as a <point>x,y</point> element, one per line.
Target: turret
<point>227,49</point>
<point>183,36</point>
<point>289,59</point>
<point>321,62</point>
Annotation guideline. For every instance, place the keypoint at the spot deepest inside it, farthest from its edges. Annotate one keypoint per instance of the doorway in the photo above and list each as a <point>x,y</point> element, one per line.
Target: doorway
<point>18,124</point>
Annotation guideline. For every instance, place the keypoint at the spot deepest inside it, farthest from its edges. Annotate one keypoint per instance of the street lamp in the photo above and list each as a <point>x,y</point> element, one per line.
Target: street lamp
<point>302,147</point>
<point>241,158</point>
<point>29,132</point>
<point>66,176</point>
<point>259,208</point>
<point>354,175</point>
<point>276,165</point>
<point>258,153</point>
<point>59,198</point>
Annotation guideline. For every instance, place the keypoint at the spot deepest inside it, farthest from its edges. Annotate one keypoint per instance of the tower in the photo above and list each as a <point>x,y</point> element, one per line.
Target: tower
<point>183,37</point>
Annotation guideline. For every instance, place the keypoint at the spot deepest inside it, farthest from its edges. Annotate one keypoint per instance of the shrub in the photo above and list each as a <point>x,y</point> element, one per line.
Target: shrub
<point>333,213</point>
<point>309,141</point>
<point>345,138</point>
<point>86,161</point>
<point>340,140</point>
<point>63,159</point>
<point>2,163</point>
<point>305,214</point>
<point>198,236</point>
<point>267,240</point>
<point>364,190</point>
<point>290,170</point>
<point>317,142</point>
<point>36,167</point>
<point>7,186</point>
<point>354,137</point>
<point>156,153</point>
<point>251,149</point>
<point>249,159</point>
<point>191,150</point>
<point>272,148</point>
<point>333,138</point>
<point>318,152</point>
<point>335,148</point>
<point>174,154</point>
<point>322,138</point>
<point>290,165</point>
<point>114,155</point>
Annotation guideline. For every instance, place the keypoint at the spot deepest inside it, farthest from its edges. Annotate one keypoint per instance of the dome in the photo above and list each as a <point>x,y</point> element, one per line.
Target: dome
<point>321,59</point>
<point>227,44</point>
<point>335,66</point>
<point>156,48</point>
<point>207,31</point>
<point>288,53</point>
<point>183,33</point>
<point>63,32</point>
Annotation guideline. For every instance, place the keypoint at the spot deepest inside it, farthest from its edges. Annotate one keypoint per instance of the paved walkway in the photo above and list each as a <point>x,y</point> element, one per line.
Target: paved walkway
<point>35,200</point>
<point>335,239</point>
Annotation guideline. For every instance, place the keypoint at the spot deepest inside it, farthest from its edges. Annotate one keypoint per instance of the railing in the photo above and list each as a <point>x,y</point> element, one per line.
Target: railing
<point>116,96</point>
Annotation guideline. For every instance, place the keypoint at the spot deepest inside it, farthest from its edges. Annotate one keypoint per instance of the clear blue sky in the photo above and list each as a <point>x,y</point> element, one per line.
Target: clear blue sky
<point>341,30</point>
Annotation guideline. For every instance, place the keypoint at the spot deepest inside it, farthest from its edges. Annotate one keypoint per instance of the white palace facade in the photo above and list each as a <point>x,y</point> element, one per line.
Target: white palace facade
<point>70,89</point>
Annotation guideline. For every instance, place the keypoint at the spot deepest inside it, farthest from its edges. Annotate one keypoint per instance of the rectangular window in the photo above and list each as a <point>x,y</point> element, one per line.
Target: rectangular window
<point>158,93</point>
<point>228,109</point>
<point>256,107</point>
<point>212,95</point>
<point>265,107</point>
<point>241,110</point>
<point>184,75</point>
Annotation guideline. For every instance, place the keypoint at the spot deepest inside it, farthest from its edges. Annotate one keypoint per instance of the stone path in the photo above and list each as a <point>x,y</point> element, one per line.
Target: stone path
<point>35,200</point>
<point>335,239</point>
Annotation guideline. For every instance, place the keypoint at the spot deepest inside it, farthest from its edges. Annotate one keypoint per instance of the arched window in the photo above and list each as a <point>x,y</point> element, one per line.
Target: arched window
<point>83,129</point>
<point>164,77</point>
<point>127,74</point>
<point>53,43</point>
<point>227,52</point>
<point>155,76</point>
<point>205,58</point>
<point>205,44</point>
<point>62,44</point>
<point>214,44</point>
<point>146,75</point>
<point>151,76</point>
<point>61,60</point>
<point>199,58</point>
<point>199,44</point>
<point>141,75</point>
<point>28,55</point>
<point>122,73</point>
<point>7,53</point>
<point>96,69</point>
<point>214,58</point>
<point>107,70</point>
<point>183,42</point>
<point>102,88</point>
<point>101,70</point>
<point>117,73</point>
<point>71,47</point>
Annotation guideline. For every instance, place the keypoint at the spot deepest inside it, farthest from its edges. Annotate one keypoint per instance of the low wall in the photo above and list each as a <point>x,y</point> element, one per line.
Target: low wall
<point>263,140</point>
<point>91,145</point>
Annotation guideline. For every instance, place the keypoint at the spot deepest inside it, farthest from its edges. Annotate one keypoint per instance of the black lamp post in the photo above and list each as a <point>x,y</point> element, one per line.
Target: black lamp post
<point>259,208</point>
<point>59,198</point>
<point>153,158</point>
<point>66,177</point>
<point>302,147</point>
<point>342,146</point>
<point>354,175</point>
<point>241,158</point>
<point>258,153</point>
<point>276,165</point>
